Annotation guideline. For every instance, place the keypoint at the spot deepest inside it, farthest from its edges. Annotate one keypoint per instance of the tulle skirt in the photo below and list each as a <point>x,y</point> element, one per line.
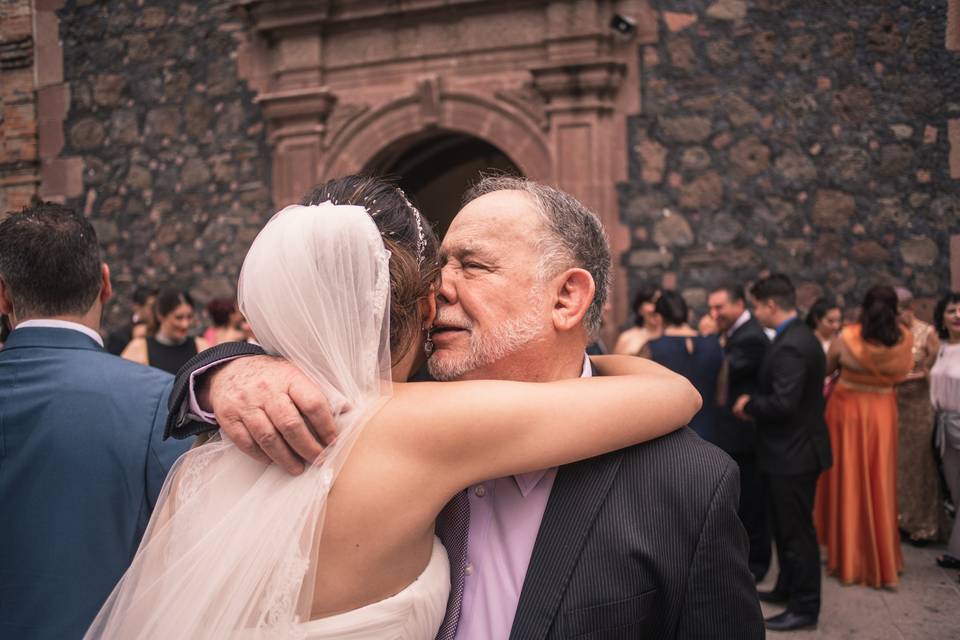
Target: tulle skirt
<point>856,505</point>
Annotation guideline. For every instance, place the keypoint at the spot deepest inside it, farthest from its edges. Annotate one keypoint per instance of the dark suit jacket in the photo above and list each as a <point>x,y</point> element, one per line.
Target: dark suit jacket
<point>744,351</point>
<point>792,436</point>
<point>643,542</point>
<point>640,542</point>
<point>81,465</point>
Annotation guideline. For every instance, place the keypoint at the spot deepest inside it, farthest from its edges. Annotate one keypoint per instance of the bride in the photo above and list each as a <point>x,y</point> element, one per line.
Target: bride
<point>237,548</point>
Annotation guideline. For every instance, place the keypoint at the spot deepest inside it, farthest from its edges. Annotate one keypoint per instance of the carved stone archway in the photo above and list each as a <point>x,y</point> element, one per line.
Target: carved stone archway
<point>548,82</point>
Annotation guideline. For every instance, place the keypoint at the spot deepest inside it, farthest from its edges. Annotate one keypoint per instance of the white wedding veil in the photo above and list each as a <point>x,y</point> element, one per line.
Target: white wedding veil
<point>230,551</point>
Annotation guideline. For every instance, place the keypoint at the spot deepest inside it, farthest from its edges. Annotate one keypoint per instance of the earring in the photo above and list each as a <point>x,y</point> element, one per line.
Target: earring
<point>428,343</point>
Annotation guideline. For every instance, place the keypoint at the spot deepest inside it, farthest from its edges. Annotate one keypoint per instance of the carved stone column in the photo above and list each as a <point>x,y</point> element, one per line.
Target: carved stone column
<point>296,125</point>
<point>584,127</point>
<point>283,62</point>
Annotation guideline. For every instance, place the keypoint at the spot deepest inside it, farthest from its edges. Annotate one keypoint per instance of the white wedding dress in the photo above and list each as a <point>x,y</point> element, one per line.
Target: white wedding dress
<point>231,548</point>
<point>413,614</point>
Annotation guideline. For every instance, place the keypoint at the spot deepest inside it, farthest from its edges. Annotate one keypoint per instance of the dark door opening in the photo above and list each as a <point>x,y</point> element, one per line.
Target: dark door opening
<point>436,171</point>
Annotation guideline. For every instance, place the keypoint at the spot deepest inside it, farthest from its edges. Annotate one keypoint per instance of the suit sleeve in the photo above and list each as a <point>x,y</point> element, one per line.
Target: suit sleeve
<point>720,602</point>
<point>745,360</point>
<point>181,423</point>
<point>161,454</point>
<point>788,373</point>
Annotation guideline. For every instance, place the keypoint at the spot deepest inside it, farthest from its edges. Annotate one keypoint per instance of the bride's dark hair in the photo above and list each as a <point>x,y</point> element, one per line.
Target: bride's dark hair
<point>413,247</point>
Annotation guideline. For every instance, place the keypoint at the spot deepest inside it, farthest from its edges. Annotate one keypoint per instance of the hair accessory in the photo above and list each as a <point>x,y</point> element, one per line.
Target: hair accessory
<point>421,237</point>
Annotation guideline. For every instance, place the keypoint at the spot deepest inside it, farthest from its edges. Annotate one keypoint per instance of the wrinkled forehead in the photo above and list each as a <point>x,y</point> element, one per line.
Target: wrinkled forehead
<point>503,222</point>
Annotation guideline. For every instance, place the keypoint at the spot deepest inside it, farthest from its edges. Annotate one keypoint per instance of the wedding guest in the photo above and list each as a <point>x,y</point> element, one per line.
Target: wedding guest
<point>744,346</point>
<point>793,448</point>
<point>697,358</point>
<point>646,323</point>
<point>919,497</point>
<point>856,510</point>
<point>172,345</point>
<point>83,458</point>
<point>945,395</point>
<point>225,316</point>
<point>142,321</point>
<point>824,319</point>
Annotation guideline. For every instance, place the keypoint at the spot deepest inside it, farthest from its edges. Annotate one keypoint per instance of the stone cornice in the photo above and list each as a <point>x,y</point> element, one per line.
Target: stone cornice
<point>579,85</point>
<point>268,17</point>
<point>296,112</point>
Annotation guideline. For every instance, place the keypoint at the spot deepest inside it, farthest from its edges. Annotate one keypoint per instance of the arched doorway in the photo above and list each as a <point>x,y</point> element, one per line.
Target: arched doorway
<point>436,170</point>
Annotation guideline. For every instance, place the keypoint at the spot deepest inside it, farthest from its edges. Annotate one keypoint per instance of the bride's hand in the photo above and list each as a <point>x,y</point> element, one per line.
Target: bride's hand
<point>271,410</point>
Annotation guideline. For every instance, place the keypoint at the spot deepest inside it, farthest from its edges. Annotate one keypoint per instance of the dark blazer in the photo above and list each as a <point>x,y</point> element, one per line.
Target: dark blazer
<point>788,406</point>
<point>744,351</point>
<point>642,542</point>
<point>81,465</point>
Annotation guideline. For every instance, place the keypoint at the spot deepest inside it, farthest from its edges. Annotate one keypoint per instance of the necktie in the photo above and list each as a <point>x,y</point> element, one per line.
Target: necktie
<point>453,525</point>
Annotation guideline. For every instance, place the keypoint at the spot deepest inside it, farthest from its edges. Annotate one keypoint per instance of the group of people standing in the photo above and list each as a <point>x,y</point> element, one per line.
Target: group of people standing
<point>161,328</point>
<point>838,430</point>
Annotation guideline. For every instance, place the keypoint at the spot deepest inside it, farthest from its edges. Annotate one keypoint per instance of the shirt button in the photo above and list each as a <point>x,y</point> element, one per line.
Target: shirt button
<point>480,490</point>
<point>468,570</point>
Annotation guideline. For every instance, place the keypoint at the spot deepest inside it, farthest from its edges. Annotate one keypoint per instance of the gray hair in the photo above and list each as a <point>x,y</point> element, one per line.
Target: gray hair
<point>574,238</point>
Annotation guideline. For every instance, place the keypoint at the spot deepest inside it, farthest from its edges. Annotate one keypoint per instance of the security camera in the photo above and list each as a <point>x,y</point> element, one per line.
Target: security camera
<point>623,25</point>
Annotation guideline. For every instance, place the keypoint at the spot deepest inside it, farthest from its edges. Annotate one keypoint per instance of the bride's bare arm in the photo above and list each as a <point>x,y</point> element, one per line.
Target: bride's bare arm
<point>466,432</point>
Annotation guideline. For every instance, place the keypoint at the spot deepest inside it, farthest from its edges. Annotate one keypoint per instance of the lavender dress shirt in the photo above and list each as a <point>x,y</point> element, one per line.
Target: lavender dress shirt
<point>505,516</point>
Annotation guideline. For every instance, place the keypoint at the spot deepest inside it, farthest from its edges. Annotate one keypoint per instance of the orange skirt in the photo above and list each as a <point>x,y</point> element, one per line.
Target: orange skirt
<point>856,505</point>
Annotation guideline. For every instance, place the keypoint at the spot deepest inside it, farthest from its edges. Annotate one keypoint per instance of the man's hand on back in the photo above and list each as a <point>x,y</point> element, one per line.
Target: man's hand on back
<point>270,410</point>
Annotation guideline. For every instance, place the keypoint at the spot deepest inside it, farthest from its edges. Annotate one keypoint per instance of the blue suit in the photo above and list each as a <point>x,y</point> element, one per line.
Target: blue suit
<point>81,466</point>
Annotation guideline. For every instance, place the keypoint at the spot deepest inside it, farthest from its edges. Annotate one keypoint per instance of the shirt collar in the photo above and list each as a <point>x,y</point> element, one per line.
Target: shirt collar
<point>783,325</point>
<point>62,324</point>
<point>527,482</point>
<point>742,320</point>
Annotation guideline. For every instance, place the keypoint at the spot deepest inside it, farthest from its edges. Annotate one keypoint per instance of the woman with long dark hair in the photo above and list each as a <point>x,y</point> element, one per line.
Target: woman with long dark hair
<point>945,396</point>
<point>824,319</point>
<point>856,505</point>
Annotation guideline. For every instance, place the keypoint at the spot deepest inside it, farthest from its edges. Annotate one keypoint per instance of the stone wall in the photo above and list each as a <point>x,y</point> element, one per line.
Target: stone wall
<point>19,163</point>
<point>176,168</point>
<point>806,138</point>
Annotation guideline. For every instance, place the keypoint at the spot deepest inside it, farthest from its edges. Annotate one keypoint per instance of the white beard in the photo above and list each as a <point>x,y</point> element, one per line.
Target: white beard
<point>485,349</point>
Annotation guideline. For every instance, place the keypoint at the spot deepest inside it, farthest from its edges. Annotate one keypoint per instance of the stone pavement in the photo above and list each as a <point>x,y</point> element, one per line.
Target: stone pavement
<point>925,606</point>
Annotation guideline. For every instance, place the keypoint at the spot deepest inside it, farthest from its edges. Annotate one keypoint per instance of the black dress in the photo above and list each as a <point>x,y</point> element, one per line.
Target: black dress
<point>170,358</point>
<point>701,367</point>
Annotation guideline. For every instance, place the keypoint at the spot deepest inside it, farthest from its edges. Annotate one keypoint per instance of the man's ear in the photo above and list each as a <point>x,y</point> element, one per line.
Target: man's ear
<point>575,290</point>
<point>106,287</point>
<point>6,302</point>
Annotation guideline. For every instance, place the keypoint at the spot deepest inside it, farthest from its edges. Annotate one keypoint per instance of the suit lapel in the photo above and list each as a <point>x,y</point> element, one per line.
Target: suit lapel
<point>575,500</point>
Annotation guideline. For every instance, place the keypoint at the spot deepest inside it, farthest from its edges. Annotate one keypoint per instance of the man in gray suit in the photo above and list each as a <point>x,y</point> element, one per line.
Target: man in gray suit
<point>643,542</point>
<point>81,453</point>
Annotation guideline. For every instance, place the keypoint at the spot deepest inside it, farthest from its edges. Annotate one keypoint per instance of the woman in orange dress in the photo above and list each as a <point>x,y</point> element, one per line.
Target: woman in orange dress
<point>856,506</point>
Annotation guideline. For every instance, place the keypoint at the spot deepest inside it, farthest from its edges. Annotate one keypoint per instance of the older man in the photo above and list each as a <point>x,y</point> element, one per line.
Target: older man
<point>640,542</point>
<point>744,345</point>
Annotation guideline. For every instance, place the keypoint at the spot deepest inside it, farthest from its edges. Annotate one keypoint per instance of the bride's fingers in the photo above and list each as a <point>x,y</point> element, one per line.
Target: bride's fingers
<point>312,404</point>
<point>269,440</point>
<point>295,431</point>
